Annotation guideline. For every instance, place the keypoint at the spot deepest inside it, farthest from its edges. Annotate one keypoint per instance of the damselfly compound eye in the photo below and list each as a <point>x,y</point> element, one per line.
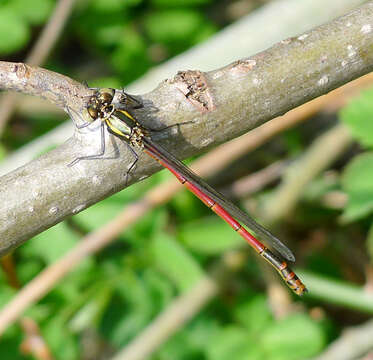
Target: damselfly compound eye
<point>93,112</point>
<point>106,96</point>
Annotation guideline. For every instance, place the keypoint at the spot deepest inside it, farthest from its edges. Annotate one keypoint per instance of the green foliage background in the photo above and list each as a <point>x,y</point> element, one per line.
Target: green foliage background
<point>112,296</point>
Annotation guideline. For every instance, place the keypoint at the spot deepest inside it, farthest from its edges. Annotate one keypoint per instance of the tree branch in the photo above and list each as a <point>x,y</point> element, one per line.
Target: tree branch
<point>39,52</point>
<point>354,342</point>
<point>218,105</point>
<point>222,48</point>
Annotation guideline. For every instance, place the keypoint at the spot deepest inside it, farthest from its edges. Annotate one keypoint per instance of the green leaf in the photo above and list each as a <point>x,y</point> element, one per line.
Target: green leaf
<point>62,342</point>
<point>131,49</point>
<point>108,34</point>
<point>234,343</point>
<point>9,344</point>
<point>206,31</point>
<point>14,33</point>
<point>129,310</point>
<point>254,314</point>
<point>161,288</point>
<point>173,25</point>
<point>91,311</point>
<point>34,12</point>
<point>294,142</point>
<point>106,210</point>
<point>293,338</point>
<point>190,342</point>
<point>357,115</point>
<point>99,214</point>
<point>103,82</point>
<point>138,234</point>
<point>106,6</point>
<point>133,192</point>
<point>177,347</point>
<point>201,331</point>
<point>187,206</point>
<point>3,152</point>
<point>27,270</point>
<point>210,236</point>
<point>357,181</point>
<point>6,295</point>
<point>113,5</point>
<point>179,3</point>
<point>51,244</point>
<point>176,262</point>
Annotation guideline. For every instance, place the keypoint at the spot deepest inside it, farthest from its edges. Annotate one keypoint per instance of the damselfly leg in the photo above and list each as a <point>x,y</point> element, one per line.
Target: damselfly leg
<point>132,166</point>
<point>99,155</point>
<point>81,125</point>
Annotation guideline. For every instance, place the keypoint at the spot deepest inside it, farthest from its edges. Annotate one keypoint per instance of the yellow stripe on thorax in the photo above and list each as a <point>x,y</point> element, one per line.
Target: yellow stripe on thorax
<point>114,129</point>
<point>126,113</point>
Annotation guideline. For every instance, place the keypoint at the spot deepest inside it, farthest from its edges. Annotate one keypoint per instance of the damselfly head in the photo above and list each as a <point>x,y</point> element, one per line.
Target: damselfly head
<point>105,96</point>
<point>92,111</point>
<point>99,104</point>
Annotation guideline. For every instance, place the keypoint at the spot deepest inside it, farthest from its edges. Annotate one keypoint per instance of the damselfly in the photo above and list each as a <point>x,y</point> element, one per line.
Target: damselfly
<point>112,108</point>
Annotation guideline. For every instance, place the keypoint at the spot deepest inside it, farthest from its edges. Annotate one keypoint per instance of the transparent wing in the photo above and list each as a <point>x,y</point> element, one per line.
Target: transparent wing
<point>232,209</point>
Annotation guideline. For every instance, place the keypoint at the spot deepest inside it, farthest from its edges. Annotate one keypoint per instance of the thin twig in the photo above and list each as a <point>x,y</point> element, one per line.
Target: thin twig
<point>320,155</point>
<point>39,53</point>
<point>353,343</point>
<point>9,269</point>
<point>338,292</point>
<point>181,310</point>
<point>255,182</point>
<point>34,343</point>
<point>51,32</point>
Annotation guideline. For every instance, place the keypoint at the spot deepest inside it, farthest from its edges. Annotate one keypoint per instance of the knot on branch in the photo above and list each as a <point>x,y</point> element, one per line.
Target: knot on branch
<point>193,84</point>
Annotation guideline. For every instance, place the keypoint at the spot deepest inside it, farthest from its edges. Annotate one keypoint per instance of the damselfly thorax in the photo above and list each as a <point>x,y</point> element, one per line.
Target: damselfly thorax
<point>112,107</point>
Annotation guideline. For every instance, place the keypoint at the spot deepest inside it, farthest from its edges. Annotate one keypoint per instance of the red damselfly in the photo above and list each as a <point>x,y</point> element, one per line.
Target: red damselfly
<point>112,107</point>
